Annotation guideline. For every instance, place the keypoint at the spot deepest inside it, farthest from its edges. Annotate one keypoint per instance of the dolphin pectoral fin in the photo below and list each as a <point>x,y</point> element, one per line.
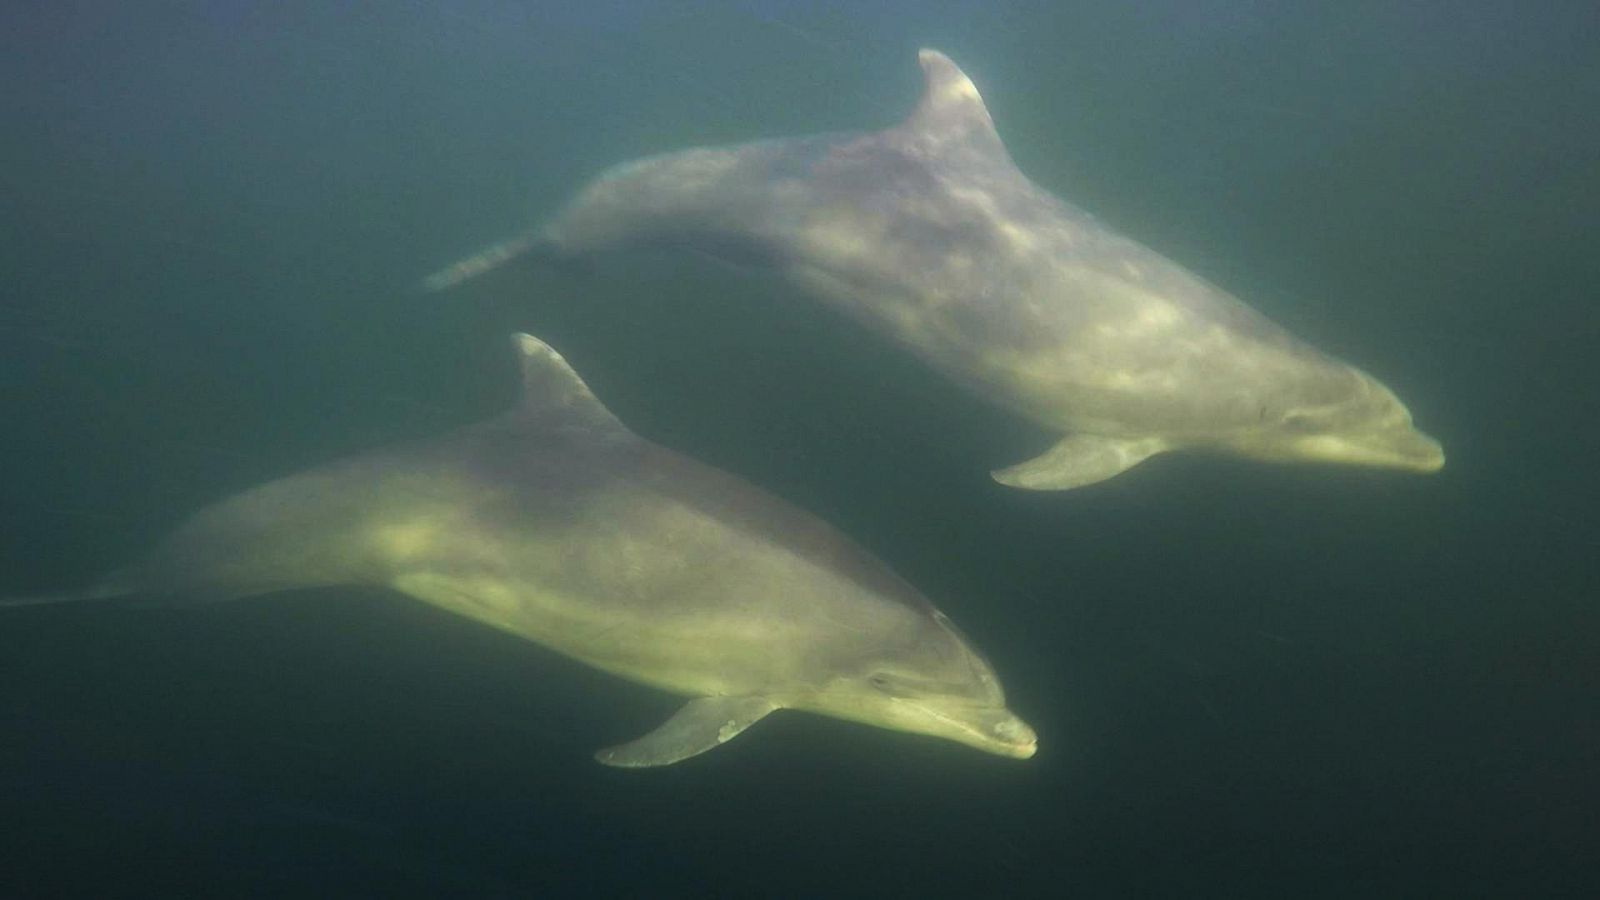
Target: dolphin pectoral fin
<point>699,726</point>
<point>1079,460</point>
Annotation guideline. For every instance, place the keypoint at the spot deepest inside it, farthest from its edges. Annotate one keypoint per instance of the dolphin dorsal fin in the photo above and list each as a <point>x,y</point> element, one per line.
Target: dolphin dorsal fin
<point>951,113</point>
<point>552,392</point>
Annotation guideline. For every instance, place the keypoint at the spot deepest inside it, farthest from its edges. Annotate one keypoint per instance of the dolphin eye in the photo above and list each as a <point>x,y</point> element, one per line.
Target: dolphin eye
<point>881,682</point>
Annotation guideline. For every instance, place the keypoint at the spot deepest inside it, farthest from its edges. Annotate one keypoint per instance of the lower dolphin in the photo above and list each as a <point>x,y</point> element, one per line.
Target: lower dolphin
<point>556,523</point>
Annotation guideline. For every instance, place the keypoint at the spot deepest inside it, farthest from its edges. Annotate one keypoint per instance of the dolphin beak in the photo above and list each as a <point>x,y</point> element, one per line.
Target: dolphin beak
<point>1018,739</point>
<point>1418,452</point>
<point>1000,732</point>
<point>1400,447</point>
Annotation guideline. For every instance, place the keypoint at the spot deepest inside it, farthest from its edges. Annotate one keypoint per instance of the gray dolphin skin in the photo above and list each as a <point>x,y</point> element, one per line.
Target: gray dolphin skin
<point>927,233</point>
<point>556,523</point>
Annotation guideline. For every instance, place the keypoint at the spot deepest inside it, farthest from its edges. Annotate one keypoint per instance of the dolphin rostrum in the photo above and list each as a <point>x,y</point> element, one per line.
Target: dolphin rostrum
<point>556,523</point>
<point>928,233</point>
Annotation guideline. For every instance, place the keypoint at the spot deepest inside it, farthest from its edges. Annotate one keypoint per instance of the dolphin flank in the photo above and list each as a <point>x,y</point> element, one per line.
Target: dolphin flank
<point>927,233</point>
<point>556,523</point>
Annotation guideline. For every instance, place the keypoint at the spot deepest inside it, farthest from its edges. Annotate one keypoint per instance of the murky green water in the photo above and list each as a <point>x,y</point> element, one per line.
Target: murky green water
<point>1247,680</point>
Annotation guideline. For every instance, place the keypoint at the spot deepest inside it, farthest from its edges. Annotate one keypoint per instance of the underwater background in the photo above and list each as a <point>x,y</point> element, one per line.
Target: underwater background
<point>1248,680</point>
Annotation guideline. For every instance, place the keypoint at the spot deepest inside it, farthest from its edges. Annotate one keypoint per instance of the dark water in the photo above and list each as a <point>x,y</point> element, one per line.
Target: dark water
<point>1248,680</point>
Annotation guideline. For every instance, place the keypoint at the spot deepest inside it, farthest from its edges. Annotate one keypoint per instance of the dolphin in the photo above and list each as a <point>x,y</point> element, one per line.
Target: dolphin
<point>927,233</point>
<point>556,523</point>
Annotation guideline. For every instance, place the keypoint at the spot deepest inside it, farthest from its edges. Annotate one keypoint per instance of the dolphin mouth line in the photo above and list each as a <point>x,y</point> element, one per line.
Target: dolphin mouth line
<point>1020,749</point>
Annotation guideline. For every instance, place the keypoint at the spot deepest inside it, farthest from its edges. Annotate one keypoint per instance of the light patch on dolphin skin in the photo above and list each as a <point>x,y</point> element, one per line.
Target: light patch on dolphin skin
<point>956,89</point>
<point>845,237</point>
<point>647,544</point>
<point>698,170</point>
<point>1020,241</point>
<point>1129,381</point>
<point>400,540</point>
<point>1158,316</point>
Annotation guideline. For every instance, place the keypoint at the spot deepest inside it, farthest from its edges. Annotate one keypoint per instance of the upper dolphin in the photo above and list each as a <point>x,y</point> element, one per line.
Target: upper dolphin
<point>928,233</point>
<point>556,523</point>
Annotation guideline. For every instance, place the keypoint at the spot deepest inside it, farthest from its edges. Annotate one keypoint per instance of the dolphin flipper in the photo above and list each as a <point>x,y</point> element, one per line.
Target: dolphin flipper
<point>1078,460</point>
<point>699,726</point>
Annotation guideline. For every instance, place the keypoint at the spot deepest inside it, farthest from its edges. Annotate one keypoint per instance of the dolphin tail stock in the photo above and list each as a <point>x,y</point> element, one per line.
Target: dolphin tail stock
<point>140,596</point>
<point>492,257</point>
<point>105,590</point>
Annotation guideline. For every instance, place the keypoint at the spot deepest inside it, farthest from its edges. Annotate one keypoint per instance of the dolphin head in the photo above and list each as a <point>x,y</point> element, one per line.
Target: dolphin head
<point>932,683</point>
<point>1364,424</point>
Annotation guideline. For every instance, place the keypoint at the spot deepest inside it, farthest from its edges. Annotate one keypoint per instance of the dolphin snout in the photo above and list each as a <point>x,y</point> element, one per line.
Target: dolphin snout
<point>1401,447</point>
<point>1418,452</point>
<point>1015,737</point>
